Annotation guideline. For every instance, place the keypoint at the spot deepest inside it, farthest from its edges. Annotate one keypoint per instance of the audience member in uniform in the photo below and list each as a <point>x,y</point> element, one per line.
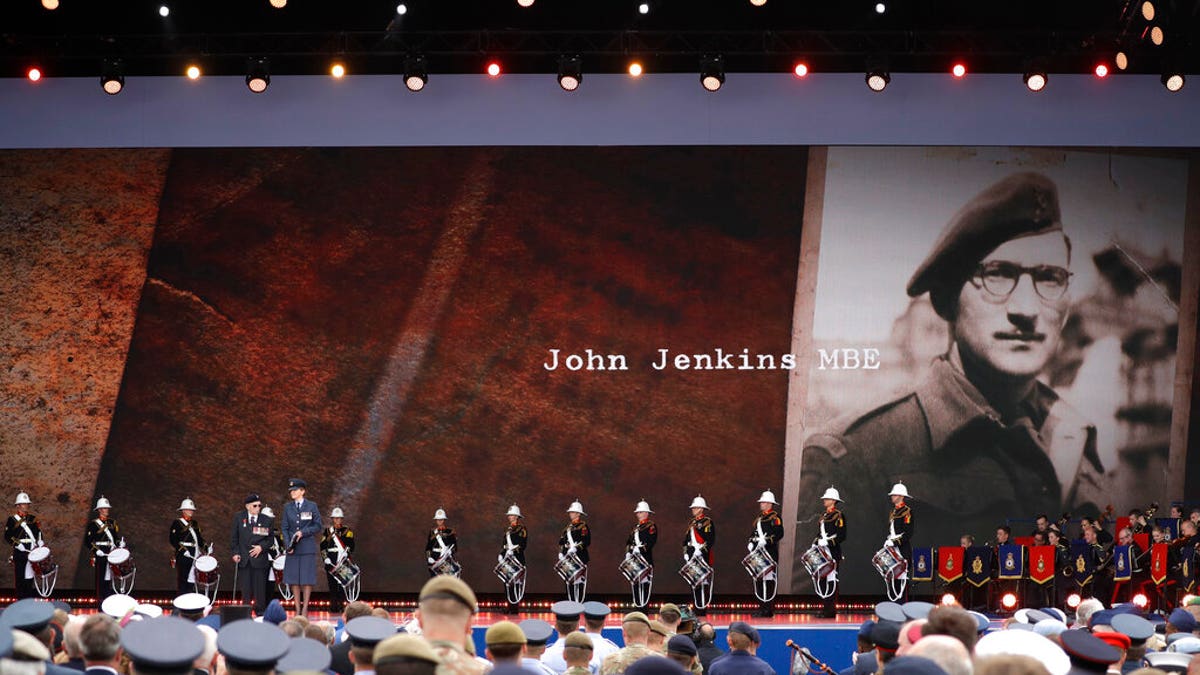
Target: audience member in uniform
<point>741,660</point>
<point>682,650</point>
<point>657,638</point>
<point>405,655</point>
<point>505,643</point>
<point>341,651</point>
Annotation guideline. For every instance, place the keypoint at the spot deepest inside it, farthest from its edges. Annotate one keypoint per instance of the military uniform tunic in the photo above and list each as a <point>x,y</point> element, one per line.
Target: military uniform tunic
<point>619,662</point>
<point>331,537</point>
<point>580,535</point>
<point>645,535</point>
<point>701,535</point>
<point>23,533</point>
<point>188,544</point>
<point>101,538</point>
<point>517,537</point>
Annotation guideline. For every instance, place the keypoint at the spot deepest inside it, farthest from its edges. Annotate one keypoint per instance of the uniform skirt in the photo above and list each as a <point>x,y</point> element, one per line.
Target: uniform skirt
<point>300,569</point>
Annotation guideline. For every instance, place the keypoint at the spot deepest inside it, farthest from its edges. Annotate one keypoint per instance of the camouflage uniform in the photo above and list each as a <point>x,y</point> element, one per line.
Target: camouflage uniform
<point>576,670</point>
<point>455,659</point>
<point>616,664</point>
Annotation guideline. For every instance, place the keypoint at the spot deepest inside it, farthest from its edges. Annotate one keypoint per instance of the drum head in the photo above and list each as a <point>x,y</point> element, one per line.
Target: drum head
<point>206,563</point>
<point>39,554</point>
<point>118,556</point>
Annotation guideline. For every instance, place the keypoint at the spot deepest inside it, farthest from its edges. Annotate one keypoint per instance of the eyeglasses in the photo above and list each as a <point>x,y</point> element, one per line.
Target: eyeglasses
<point>1000,278</point>
<point>254,506</point>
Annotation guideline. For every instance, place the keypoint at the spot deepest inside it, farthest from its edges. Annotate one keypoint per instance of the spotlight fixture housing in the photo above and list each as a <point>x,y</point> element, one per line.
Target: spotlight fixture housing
<point>1173,81</point>
<point>878,79</point>
<point>258,74</point>
<point>570,72</point>
<point>1035,80</point>
<point>712,72</point>
<point>112,78</point>
<point>416,73</point>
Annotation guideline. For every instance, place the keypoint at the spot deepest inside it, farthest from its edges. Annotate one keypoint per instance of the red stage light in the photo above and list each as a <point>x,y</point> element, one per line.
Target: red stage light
<point>949,599</point>
<point>959,69</point>
<point>493,69</point>
<point>1073,600</point>
<point>1141,600</point>
<point>33,74</point>
<point>1101,70</point>
<point>801,69</point>
<point>1009,601</point>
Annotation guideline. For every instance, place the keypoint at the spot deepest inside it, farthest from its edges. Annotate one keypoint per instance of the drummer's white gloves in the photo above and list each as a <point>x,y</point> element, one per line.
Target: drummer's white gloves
<point>823,541</point>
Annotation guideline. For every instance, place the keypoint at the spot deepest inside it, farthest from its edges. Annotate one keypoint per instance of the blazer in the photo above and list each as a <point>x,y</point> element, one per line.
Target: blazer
<point>243,537</point>
<point>307,521</point>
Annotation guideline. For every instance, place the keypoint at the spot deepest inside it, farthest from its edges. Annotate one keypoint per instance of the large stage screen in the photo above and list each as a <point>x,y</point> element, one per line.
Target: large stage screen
<point>410,329</point>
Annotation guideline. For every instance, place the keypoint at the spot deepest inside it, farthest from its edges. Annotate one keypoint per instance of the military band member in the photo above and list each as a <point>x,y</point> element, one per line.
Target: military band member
<point>187,544</point>
<point>274,550</point>
<point>766,533</point>
<point>1139,576</point>
<point>516,538</point>
<point>1061,587</point>
<point>441,540</point>
<point>101,538</point>
<point>831,534</point>
<point>698,542</point>
<point>575,539</point>
<point>337,543</point>
<point>250,540</point>
<point>1100,587</point>
<point>23,534</point>
<point>641,541</point>
<point>900,530</point>
<point>301,527</point>
<point>1000,586</point>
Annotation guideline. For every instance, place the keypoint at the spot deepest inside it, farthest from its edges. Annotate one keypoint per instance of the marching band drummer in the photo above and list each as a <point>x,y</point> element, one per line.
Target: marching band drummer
<point>187,544</point>
<point>441,539</point>
<point>900,529</point>
<point>337,542</point>
<point>641,541</point>
<point>698,543</point>
<point>22,532</point>
<point>274,550</point>
<point>768,530</point>
<point>301,525</point>
<point>576,538</point>
<point>516,538</point>
<point>832,534</point>
<point>101,538</point>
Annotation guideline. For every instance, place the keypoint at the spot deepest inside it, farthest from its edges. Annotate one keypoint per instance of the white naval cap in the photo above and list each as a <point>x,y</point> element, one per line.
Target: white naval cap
<point>191,602</point>
<point>698,503</point>
<point>118,605</point>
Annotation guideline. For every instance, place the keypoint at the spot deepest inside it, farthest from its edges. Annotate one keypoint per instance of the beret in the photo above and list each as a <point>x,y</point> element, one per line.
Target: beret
<point>578,639</point>
<point>681,644</point>
<point>504,633</point>
<point>864,631</point>
<point>745,629</point>
<point>659,627</point>
<point>537,632</point>
<point>1020,205</point>
<point>251,498</point>
<point>304,654</point>
<point>636,616</point>
<point>1182,620</point>
<point>669,607</point>
<point>446,586</point>
<point>886,635</point>
<point>252,645</point>
<point>405,646</point>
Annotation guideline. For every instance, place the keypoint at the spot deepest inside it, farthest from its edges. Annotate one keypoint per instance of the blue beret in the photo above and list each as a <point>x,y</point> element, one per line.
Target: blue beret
<point>912,665</point>
<point>252,645</point>
<point>567,609</point>
<point>1102,617</point>
<point>294,483</point>
<point>595,610</point>
<point>251,498</point>
<point>536,631</point>
<point>653,666</point>
<point>864,631</point>
<point>1087,652</point>
<point>275,613</point>
<point>890,611</point>
<point>745,629</point>
<point>916,609</point>
<point>30,615</point>
<point>1020,205</point>
<point>304,654</point>
<point>886,635</point>
<point>367,631</point>
<point>1138,629</point>
<point>681,644</point>
<point>166,643</point>
<point>1180,618</point>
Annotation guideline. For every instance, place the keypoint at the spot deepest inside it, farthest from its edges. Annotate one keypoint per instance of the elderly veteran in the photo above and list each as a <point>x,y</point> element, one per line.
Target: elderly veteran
<point>979,434</point>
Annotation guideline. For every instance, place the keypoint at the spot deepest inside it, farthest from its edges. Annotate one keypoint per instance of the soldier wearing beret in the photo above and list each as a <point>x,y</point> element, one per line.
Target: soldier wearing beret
<point>405,655</point>
<point>445,608</point>
<point>578,652</point>
<point>249,539</point>
<point>636,629</point>
<point>979,434</point>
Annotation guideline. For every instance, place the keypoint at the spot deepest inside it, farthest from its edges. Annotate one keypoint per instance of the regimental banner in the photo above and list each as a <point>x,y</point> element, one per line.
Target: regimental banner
<point>922,564</point>
<point>1159,557</point>
<point>1012,561</point>
<point>1186,576</point>
<point>1041,564</point>
<point>1142,539</point>
<point>1172,525</point>
<point>1122,562</point>
<point>978,565</point>
<point>950,563</point>
<point>1083,565</point>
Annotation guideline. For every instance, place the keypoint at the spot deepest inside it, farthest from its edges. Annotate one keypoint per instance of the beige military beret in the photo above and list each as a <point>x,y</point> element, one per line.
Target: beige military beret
<point>504,633</point>
<point>636,617</point>
<point>659,627</point>
<point>446,586</point>
<point>405,646</point>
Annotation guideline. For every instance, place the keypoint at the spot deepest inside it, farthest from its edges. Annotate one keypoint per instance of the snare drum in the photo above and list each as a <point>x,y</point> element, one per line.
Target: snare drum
<point>634,568</point>
<point>206,570</point>
<point>889,562</point>
<point>509,569</point>
<point>346,573</point>
<point>447,565</point>
<point>42,561</point>
<point>696,571</point>
<point>120,562</point>
<point>758,563</point>
<point>570,568</point>
<point>818,561</point>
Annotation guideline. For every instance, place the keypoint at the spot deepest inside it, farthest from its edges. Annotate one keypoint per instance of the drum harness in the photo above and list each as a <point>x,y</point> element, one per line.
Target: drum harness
<point>30,540</point>
<point>827,586</point>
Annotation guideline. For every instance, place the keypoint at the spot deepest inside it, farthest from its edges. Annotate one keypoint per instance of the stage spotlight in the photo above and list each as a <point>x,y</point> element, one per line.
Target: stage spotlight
<point>34,74</point>
<point>493,69</point>
<point>193,72</point>
<point>1073,600</point>
<point>402,9</point>
<point>1141,601</point>
<point>1148,10</point>
<point>635,69</point>
<point>1173,81</point>
<point>801,69</point>
<point>258,75</point>
<point>1156,36</point>
<point>1121,60</point>
<point>337,70</point>
<point>878,80</point>
<point>279,4</point>
<point>1009,602</point>
<point>50,4</point>
<point>112,81</point>
<point>880,8</point>
<point>1035,80</point>
<point>712,72</point>
<point>525,3</point>
<point>1101,70</point>
<point>644,8</point>
<point>164,11</point>
<point>758,3</point>
<point>949,599</point>
<point>416,73</point>
<point>570,72</point>
<point>959,70</point>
